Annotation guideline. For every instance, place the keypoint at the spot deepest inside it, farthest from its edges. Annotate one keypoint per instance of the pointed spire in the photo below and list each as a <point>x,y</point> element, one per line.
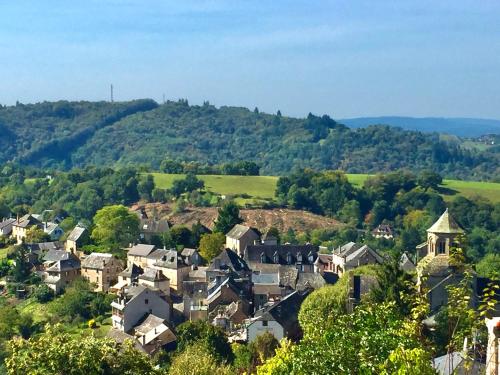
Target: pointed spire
<point>445,224</point>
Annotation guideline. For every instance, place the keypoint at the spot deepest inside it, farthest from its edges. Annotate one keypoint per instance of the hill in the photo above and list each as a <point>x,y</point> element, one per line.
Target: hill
<point>141,132</point>
<point>262,219</point>
<point>250,189</point>
<point>462,127</point>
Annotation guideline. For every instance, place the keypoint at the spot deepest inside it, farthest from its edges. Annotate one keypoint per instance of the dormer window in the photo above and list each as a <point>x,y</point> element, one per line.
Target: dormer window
<point>299,257</point>
<point>289,258</point>
<point>263,258</point>
<point>276,257</point>
<point>310,257</point>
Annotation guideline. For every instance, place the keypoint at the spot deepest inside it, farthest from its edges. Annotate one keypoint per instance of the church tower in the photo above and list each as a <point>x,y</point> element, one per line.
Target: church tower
<point>442,235</point>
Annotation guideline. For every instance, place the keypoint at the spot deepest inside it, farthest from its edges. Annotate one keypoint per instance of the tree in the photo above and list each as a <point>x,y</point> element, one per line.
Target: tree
<point>208,336</point>
<point>489,266</point>
<point>56,352</point>
<point>181,235</point>
<point>211,245</point>
<point>20,270</point>
<point>429,179</point>
<point>229,216</point>
<point>43,293</point>
<point>196,359</point>
<point>145,187</point>
<point>36,235</point>
<point>115,227</point>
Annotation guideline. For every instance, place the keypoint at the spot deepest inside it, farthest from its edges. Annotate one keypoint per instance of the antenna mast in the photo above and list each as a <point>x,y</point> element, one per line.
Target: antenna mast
<point>111,93</point>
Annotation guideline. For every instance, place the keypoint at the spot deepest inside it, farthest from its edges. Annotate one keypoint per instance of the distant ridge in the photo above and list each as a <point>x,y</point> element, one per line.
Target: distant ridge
<point>462,127</point>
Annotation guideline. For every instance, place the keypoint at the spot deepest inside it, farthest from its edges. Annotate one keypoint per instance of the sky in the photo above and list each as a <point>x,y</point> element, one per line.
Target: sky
<point>347,58</point>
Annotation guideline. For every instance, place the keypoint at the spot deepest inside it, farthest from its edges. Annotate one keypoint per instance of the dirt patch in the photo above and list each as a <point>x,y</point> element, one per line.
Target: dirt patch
<point>262,219</point>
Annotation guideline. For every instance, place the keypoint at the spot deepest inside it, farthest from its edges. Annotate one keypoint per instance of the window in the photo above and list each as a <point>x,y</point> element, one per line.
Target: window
<point>264,323</point>
<point>441,247</point>
<point>262,258</point>
<point>146,301</point>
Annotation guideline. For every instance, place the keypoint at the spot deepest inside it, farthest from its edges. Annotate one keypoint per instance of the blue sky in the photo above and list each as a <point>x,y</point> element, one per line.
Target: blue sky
<point>344,58</point>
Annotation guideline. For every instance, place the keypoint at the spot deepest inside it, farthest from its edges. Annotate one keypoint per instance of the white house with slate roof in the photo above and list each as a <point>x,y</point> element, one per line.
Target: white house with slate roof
<point>134,303</point>
<point>238,238</point>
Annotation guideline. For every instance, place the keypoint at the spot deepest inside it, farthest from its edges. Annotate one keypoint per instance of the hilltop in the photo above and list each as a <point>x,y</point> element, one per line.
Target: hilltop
<point>77,134</point>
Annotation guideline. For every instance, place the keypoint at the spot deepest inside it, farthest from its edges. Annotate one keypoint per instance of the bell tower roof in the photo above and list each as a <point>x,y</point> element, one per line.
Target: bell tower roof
<point>445,224</point>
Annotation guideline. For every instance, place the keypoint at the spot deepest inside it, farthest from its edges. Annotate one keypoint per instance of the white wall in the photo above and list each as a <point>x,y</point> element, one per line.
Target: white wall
<point>257,328</point>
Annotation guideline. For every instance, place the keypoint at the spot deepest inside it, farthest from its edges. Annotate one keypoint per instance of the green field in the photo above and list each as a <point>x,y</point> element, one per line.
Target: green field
<point>261,188</point>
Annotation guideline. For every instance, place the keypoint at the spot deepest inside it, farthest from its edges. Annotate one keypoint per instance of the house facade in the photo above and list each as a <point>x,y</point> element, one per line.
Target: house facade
<point>101,269</point>
<point>238,238</point>
<point>135,302</point>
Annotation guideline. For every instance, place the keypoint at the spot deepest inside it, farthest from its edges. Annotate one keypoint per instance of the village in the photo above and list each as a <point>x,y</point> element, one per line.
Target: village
<point>255,285</point>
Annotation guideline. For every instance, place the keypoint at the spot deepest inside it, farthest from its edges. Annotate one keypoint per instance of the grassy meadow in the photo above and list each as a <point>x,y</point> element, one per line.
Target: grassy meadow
<point>261,188</point>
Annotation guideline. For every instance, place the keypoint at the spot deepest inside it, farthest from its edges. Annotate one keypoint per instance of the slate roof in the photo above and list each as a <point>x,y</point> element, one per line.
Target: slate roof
<point>54,255</point>
<point>149,324</point>
<point>281,254</point>
<point>239,231</point>
<point>167,258</point>
<point>120,337</point>
<point>383,229</point>
<point>6,223</point>
<point>347,249</point>
<point>309,281</point>
<point>436,265</point>
<point>153,226</point>
<point>324,258</point>
<point>76,233</point>
<point>286,312</point>
<point>446,224</point>
<point>151,274</point>
<point>266,278</point>
<point>228,260</point>
<point>26,220</point>
<point>97,261</point>
<point>187,252</point>
<point>406,264</point>
<point>456,363</point>
<point>45,246</point>
<point>141,250</point>
<point>353,257</point>
<point>65,265</point>
<point>132,271</point>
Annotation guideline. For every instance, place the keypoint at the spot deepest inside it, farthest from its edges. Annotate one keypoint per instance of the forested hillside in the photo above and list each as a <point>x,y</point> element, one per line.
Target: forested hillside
<point>65,135</point>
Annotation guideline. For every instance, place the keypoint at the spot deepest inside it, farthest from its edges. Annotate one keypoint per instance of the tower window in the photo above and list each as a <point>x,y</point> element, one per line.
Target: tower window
<point>441,248</point>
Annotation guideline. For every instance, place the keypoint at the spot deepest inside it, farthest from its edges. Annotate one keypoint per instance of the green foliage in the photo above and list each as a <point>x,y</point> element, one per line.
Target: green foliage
<point>197,359</point>
<point>489,266</point>
<point>20,270</point>
<point>43,293</point>
<point>322,307</point>
<point>79,301</point>
<point>211,245</point>
<point>368,341</point>
<point>229,216</point>
<point>36,235</point>
<point>115,227</point>
<point>56,352</point>
<point>429,180</point>
<point>211,338</point>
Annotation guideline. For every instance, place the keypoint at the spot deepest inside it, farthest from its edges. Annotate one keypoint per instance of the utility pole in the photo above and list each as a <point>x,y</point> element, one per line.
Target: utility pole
<point>163,98</point>
<point>111,93</point>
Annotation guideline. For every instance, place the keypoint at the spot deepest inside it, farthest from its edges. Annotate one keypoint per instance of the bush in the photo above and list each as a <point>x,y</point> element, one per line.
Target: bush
<point>43,294</point>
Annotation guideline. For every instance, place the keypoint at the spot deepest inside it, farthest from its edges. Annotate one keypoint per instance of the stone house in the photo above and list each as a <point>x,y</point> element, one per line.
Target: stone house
<point>101,269</point>
<point>238,238</point>
<point>60,268</point>
<point>228,292</point>
<point>353,255</point>
<point>155,279</point>
<point>76,239</point>
<point>21,225</point>
<point>135,302</point>
<point>301,257</point>
<point>383,231</point>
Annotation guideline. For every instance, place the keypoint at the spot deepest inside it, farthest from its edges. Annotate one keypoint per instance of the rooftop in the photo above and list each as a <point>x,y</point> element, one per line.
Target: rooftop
<point>446,224</point>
